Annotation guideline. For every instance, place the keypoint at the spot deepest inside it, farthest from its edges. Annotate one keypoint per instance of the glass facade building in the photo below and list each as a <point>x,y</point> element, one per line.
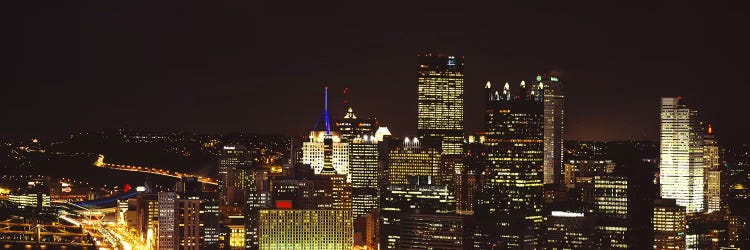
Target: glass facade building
<point>681,170</point>
<point>554,126</point>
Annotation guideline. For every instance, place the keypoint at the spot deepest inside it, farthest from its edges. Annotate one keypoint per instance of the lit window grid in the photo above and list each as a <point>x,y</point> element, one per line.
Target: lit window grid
<point>305,229</point>
<point>554,126</point>
<point>405,162</point>
<point>681,169</point>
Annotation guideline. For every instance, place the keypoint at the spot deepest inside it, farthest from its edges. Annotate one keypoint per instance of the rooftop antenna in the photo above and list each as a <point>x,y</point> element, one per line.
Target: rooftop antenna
<point>346,97</point>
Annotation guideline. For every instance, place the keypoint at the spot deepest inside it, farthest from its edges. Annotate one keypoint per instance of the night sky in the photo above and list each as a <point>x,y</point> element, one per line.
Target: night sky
<point>259,67</point>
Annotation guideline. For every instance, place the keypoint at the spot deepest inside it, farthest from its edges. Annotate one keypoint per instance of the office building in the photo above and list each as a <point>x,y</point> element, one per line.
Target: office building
<point>440,102</point>
<point>326,152</point>
<point>510,199</point>
<point>569,229</point>
<point>233,233</point>
<point>412,156</point>
<point>258,197</point>
<point>681,155</point>
<point>623,205</point>
<point>712,171</point>
<point>419,196</point>
<point>305,229</point>
<point>352,126</point>
<point>234,159</point>
<point>147,217</point>
<point>188,217</point>
<point>464,183</point>
<point>669,225</point>
<point>435,231</point>
<point>554,126</point>
<point>209,220</point>
<point>737,230</point>
<point>305,190</point>
<point>36,196</point>
<point>581,171</point>
<point>167,220</point>
<point>363,160</point>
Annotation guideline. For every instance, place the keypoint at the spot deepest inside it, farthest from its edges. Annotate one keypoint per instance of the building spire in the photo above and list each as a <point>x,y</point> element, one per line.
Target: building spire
<point>506,91</point>
<point>523,93</point>
<point>350,114</point>
<point>325,110</point>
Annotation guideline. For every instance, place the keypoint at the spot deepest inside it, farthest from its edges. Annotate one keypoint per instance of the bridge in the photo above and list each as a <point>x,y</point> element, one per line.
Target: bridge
<point>100,163</point>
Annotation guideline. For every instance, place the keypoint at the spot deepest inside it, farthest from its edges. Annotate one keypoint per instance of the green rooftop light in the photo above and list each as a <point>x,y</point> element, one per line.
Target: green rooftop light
<point>538,78</point>
<point>554,79</point>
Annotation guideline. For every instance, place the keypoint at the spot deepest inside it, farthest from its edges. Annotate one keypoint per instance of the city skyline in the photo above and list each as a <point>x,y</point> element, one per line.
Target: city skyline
<point>320,125</point>
<point>132,75</point>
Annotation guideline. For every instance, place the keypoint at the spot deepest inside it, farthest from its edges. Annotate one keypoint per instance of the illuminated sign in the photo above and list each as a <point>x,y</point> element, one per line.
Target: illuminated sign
<point>228,148</point>
<point>276,169</point>
<point>140,189</point>
<point>283,204</point>
<point>566,214</point>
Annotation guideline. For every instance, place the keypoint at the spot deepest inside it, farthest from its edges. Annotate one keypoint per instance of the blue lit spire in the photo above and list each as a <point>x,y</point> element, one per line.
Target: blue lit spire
<point>325,111</point>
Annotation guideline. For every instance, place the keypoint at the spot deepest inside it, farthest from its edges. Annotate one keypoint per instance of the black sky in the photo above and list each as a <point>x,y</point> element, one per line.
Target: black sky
<point>257,66</point>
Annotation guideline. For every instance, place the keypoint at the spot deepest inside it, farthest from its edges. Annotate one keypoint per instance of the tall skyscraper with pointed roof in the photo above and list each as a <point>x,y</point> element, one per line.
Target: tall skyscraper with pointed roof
<point>325,151</point>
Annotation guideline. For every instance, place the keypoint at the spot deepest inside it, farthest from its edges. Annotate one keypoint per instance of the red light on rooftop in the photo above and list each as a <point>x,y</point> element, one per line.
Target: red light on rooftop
<point>127,188</point>
<point>283,204</point>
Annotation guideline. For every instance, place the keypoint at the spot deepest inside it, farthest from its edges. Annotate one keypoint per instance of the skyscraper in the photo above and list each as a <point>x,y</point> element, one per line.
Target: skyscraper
<point>440,103</point>
<point>554,125</point>
<point>681,155</point>
<point>363,160</point>
<point>359,133</point>
<point>510,200</point>
<point>711,165</point>
<point>167,220</point>
<point>326,153</point>
<point>233,160</point>
<point>669,225</point>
